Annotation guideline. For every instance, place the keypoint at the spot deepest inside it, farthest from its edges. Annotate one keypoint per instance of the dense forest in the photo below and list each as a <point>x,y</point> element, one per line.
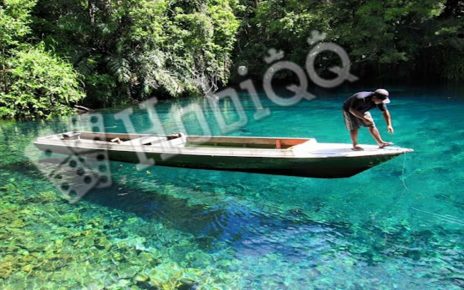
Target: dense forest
<point>55,54</point>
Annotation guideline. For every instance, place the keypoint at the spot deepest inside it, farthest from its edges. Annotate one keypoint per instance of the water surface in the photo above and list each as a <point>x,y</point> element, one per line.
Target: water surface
<point>398,225</point>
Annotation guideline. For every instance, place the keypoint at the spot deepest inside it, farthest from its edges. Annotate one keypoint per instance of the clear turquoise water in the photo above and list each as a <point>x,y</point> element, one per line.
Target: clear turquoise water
<point>399,225</point>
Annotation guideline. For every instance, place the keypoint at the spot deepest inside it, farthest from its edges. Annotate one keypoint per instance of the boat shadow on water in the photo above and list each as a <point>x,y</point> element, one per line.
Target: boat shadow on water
<point>229,223</point>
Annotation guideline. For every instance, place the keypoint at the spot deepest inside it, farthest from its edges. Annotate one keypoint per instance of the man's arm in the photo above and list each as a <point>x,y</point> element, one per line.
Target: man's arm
<point>387,117</point>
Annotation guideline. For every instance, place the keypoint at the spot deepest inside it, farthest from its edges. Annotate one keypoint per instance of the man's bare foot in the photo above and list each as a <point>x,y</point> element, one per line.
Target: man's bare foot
<point>385,144</point>
<point>357,148</point>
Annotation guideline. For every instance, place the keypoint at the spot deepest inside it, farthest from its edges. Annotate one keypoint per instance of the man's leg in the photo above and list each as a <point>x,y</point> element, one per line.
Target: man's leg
<point>376,134</point>
<point>354,139</point>
<point>352,124</point>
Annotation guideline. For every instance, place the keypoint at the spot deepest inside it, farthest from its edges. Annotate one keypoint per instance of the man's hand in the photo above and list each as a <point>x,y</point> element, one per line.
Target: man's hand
<point>388,120</point>
<point>390,129</point>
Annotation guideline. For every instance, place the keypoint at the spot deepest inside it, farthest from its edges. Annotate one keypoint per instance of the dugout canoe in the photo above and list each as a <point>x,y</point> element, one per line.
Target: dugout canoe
<point>303,157</point>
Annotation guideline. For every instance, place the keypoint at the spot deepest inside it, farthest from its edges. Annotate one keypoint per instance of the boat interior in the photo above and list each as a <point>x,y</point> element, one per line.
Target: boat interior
<point>182,140</point>
<point>245,142</point>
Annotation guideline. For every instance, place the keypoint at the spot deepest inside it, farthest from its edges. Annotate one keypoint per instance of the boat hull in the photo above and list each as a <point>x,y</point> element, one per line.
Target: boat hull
<point>289,164</point>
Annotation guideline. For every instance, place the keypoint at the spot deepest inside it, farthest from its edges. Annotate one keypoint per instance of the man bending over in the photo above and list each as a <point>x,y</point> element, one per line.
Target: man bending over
<point>356,113</point>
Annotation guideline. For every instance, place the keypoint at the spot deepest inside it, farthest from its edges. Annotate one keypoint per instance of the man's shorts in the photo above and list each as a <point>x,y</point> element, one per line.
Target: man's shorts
<point>353,123</point>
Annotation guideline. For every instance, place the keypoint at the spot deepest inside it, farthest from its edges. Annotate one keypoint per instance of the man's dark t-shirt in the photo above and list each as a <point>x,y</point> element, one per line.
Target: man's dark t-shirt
<point>362,102</point>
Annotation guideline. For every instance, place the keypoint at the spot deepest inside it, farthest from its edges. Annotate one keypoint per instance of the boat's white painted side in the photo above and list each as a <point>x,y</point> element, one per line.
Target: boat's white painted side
<point>309,149</point>
<point>283,156</point>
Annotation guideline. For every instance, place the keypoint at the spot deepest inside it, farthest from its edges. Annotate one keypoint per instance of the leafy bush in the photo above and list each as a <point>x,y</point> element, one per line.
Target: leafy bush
<point>42,85</point>
<point>33,82</point>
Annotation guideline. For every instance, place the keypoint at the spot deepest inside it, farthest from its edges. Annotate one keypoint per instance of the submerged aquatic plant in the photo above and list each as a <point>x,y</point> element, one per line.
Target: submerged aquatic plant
<point>48,242</point>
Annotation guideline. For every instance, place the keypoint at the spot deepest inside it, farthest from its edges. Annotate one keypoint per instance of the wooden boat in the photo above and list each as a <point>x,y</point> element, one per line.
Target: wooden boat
<point>283,156</point>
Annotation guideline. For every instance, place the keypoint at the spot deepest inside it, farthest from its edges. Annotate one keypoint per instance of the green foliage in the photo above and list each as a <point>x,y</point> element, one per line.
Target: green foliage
<point>167,48</point>
<point>41,85</point>
<point>379,35</point>
<point>277,24</point>
<point>385,32</point>
<point>130,50</point>
<point>14,21</point>
<point>33,82</point>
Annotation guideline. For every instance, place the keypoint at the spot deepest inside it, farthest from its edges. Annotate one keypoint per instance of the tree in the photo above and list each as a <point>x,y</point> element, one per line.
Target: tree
<point>33,82</point>
<point>14,26</point>
<point>413,38</point>
<point>130,50</point>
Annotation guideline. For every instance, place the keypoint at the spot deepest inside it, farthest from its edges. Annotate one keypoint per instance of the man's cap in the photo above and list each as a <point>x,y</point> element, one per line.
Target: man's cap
<point>383,94</point>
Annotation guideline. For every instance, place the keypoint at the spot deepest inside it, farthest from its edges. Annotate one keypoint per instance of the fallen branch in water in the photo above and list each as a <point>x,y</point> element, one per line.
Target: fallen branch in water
<point>82,109</point>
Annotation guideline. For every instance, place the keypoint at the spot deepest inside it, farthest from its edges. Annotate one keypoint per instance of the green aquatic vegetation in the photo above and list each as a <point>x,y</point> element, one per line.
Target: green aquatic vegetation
<point>45,240</point>
<point>15,140</point>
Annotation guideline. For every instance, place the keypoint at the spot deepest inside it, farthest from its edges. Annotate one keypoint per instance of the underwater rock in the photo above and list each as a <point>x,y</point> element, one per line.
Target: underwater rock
<point>128,272</point>
<point>146,285</point>
<point>188,285</point>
